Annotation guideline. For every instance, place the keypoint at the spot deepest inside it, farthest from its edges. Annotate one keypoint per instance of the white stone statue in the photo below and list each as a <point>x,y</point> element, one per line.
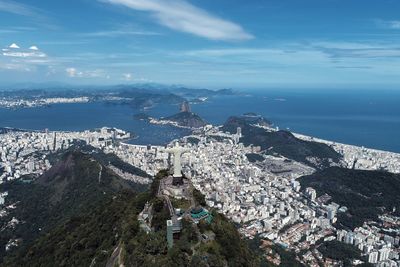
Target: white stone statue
<point>177,151</point>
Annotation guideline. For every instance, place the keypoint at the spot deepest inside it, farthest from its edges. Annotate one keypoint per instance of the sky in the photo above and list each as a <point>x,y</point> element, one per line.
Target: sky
<point>202,43</point>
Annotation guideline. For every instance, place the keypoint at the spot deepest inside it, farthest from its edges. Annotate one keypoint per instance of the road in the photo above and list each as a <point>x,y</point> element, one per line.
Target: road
<point>114,257</point>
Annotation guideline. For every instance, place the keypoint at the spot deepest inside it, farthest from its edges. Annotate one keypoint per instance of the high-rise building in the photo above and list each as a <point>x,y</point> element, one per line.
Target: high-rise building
<point>373,257</point>
<point>311,193</point>
<point>397,241</point>
<point>384,254</point>
<point>367,249</point>
<point>30,166</point>
<point>389,239</point>
<point>295,185</point>
<point>340,235</point>
<point>349,238</point>
<point>331,213</point>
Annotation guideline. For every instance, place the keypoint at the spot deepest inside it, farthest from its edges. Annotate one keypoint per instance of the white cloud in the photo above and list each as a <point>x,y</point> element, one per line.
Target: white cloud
<point>71,72</point>
<point>127,76</point>
<point>14,45</point>
<point>388,24</point>
<point>36,15</point>
<point>8,31</point>
<point>15,51</point>
<point>24,54</point>
<point>15,8</point>
<point>348,45</point>
<point>33,53</point>
<point>15,67</point>
<point>182,16</point>
<point>348,58</point>
<point>28,60</point>
<point>395,24</point>
<point>99,73</point>
<point>308,52</point>
<point>358,50</point>
<point>74,73</point>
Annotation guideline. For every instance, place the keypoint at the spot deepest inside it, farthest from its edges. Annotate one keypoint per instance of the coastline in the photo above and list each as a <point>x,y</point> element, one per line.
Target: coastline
<point>171,123</point>
<point>356,157</point>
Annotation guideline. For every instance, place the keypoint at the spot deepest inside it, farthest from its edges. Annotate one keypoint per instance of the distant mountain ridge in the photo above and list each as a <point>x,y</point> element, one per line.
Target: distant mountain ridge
<point>136,95</point>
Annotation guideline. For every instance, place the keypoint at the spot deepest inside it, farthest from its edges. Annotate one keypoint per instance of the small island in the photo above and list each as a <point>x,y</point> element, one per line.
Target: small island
<point>184,119</point>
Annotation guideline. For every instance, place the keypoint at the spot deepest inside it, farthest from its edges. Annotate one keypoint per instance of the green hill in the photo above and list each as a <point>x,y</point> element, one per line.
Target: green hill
<point>365,193</point>
<point>187,119</point>
<point>282,142</point>
<point>72,186</point>
<point>86,239</point>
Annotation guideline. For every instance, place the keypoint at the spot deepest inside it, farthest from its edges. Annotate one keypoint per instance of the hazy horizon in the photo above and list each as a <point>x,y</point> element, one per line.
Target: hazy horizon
<point>55,85</point>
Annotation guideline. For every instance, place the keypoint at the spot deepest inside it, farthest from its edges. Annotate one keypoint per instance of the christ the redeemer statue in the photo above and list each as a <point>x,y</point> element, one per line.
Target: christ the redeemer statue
<point>177,151</point>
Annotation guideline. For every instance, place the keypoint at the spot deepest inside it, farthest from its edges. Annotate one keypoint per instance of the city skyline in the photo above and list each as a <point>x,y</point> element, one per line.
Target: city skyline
<point>201,43</point>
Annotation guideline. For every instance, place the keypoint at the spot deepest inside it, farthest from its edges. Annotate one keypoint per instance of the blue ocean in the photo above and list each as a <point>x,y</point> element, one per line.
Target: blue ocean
<point>369,118</point>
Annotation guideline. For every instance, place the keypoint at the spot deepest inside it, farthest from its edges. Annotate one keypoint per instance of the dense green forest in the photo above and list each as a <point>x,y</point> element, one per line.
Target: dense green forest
<point>283,143</point>
<point>365,193</point>
<point>72,186</point>
<point>105,159</point>
<point>253,157</point>
<point>342,252</point>
<point>82,239</point>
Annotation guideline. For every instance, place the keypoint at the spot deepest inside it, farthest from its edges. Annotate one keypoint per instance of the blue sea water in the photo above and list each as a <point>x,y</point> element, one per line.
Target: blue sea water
<point>79,117</point>
<point>369,118</point>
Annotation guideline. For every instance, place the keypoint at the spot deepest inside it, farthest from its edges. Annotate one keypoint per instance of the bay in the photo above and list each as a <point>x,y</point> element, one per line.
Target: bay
<point>369,118</point>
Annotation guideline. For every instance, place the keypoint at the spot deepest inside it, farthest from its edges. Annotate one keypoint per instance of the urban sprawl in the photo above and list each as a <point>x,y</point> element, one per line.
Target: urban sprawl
<point>264,197</point>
